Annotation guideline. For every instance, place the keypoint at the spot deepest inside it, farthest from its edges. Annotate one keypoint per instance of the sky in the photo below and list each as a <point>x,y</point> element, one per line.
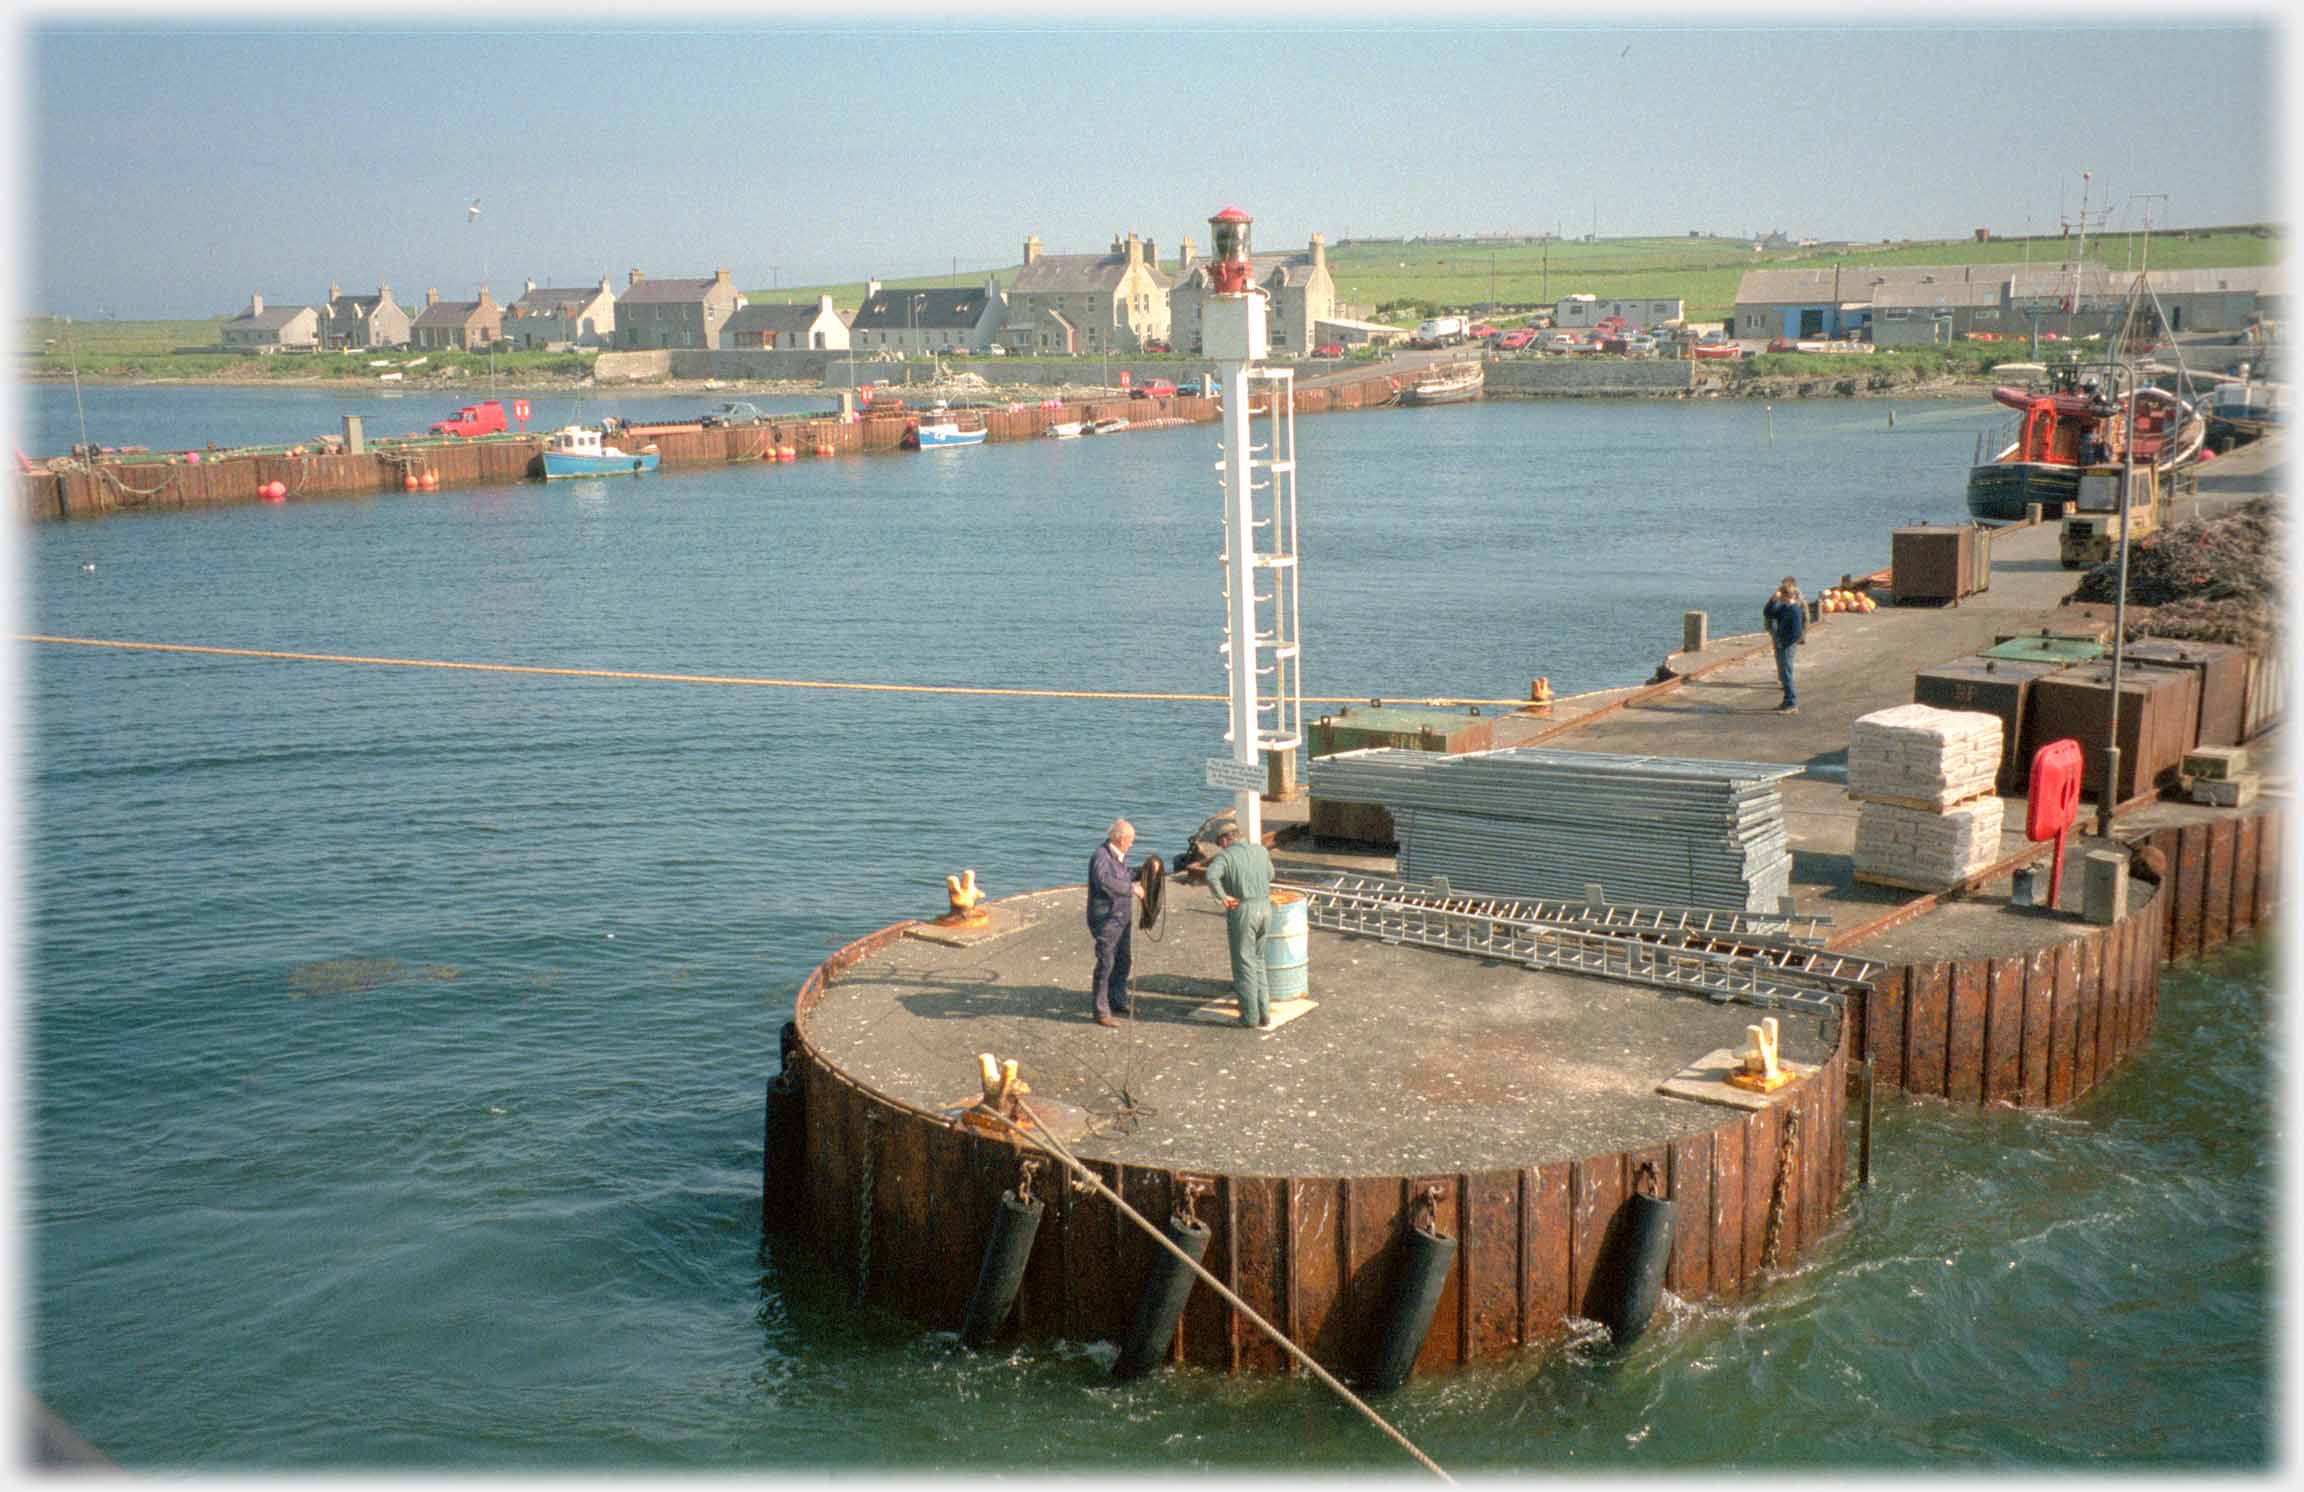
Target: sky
<point>174,161</point>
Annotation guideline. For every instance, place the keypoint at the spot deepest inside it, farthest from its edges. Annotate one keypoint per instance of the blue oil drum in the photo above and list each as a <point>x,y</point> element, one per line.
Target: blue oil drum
<point>1287,942</point>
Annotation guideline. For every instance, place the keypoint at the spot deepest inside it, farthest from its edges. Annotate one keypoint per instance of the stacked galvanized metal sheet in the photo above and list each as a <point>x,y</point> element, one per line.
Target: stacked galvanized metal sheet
<point>1533,821</point>
<point>1924,777</point>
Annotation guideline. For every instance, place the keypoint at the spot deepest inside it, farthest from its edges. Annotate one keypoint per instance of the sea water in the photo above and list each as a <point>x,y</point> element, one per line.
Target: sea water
<point>393,1039</point>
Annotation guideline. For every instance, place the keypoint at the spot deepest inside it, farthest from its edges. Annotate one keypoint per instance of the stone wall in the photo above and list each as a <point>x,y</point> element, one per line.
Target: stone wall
<point>1588,376</point>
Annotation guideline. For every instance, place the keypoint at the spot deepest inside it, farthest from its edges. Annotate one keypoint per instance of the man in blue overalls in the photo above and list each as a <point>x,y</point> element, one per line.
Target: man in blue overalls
<point>1112,896</point>
<point>1787,618</point>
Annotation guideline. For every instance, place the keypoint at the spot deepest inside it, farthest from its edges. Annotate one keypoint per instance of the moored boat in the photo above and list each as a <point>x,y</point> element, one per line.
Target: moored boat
<point>1067,430</point>
<point>579,451</point>
<point>1448,388</point>
<point>1104,427</point>
<point>935,434</point>
<point>2082,419</point>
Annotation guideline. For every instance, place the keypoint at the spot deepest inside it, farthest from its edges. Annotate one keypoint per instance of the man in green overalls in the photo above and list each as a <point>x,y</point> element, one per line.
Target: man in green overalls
<point>1241,877</point>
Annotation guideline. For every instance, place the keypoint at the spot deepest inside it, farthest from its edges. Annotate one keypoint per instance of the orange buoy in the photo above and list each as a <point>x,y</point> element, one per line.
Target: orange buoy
<point>430,480</point>
<point>787,453</point>
<point>192,458</point>
<point>409,482</point>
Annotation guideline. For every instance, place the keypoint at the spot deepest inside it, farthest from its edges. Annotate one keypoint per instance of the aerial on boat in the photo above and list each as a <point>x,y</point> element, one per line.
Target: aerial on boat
<point>579,451</point>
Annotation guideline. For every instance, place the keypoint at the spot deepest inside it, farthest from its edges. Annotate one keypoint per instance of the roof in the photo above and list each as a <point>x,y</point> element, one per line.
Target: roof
<point>1958,293</point>
<point>358,304</point>
<point>270,319</point>
<point>446,313</point>
<point>941,308</point>
<point>1071,274</point>
<point>776,316</point>
<point>681,292</point>
<point>1851,281</point>
<point>554,296</point>
<point>2258,279</point>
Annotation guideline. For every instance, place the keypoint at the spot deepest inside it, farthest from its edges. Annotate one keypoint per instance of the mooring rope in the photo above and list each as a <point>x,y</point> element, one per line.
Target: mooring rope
<point>1040,1136</point>
<point>636,675</point>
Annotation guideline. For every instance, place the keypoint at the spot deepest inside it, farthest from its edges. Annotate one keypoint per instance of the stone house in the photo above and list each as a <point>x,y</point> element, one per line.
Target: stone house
<point>278,329</point>
<point>928,321</point>
<point>813,326</point>
<point>363,320</point>
<point>472,325</point>
<point>562,315</point>
<point>1087,304</point>
<point>675,313</point>
<point>1300,293</point>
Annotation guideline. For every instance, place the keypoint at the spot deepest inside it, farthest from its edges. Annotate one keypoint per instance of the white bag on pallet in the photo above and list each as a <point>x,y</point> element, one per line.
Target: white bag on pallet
<point>1923,753</point>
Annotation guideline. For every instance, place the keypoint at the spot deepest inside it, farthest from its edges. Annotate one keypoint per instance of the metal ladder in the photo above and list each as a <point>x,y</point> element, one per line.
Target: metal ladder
<point>1786,928</point>
<point>1721,969</point>
<point>1277,653</point>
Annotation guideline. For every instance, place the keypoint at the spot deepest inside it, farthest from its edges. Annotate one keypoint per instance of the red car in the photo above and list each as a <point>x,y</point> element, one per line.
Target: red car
<point>484,418</point>
<point>1329,349</point>
<point>1481,329</point>
<point>1514,341</point>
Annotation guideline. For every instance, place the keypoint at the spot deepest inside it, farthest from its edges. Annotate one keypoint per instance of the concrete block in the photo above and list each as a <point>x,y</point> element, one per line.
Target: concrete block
<point>2106,889</point>
<point>1695,631</point>
<point>2237,792</point>
<point>2216,763</point>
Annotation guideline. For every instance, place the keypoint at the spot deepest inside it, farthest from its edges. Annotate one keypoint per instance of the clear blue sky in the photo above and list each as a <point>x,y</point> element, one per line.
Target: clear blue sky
<point>172,166</point>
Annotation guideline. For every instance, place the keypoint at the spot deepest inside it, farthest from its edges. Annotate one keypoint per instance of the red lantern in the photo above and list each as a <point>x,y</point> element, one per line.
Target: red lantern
<point>1231,272</point>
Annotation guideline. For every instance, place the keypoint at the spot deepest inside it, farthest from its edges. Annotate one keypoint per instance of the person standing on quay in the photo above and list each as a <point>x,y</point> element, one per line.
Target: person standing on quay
<point>1241,877</point>
<point>1787,617</point>
<point>1112,897</point>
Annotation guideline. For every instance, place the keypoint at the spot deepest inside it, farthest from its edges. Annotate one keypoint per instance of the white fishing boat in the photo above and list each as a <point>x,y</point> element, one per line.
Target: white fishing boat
<point>1447,388</point>
<point>1067,430</point>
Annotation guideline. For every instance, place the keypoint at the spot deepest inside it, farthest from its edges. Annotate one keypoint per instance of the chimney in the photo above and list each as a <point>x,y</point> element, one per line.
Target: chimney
<point>719,277</point>
<point>1190,254</point>
<point>531,290</point>
<point>431,296</point>
<point>485,298</point>
<point>1151,253</point>
<point>605,287</point>
<point>636,278</point>
<point>255,305</point>
<point>1118,243</point>
<point>871,288</point>
<point>1032,249</point>
<point>334,290</point>
<point>1135,249</point>
<point>1319,252</point>
<point>383,291</point>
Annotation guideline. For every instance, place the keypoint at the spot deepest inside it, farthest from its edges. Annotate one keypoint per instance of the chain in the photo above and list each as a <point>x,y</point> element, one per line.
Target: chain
<point>1776,1193</point>
<point>1644,1180</point>
<point>864,1207</point>
<point>1028,1172</point>
<point>1195,1187</point>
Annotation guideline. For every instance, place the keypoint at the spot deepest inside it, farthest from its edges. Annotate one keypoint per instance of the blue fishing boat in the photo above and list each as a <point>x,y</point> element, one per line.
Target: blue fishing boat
<point>578,451</point>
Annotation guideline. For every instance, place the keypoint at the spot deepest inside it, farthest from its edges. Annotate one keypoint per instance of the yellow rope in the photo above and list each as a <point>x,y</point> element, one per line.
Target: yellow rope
<point>691,678</point>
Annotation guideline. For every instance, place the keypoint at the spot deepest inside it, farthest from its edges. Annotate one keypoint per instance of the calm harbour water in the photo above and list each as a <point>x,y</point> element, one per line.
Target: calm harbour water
<point>395,1038</point>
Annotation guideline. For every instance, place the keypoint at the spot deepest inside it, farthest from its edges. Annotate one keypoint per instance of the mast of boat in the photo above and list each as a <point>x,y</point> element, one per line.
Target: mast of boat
<point>72,351</point>
<point>2109,800</point>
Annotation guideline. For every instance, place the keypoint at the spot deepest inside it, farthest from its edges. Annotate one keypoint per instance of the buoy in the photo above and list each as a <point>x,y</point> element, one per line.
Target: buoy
<point>1419,1274</point>
<point>787,453</point>
<point>1166,1287</point>
<point>430,479</point>
<point>192,458</point>
<point>409,482</point>
<point>1630,1274</point>
<point>1002,1273</point>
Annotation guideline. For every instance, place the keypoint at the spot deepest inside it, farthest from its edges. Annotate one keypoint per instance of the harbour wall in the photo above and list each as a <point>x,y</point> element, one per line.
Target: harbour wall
<point>161,484</point>
<point>902,1202</point>
<point>2043,1029</point>
<point>1590,377</point>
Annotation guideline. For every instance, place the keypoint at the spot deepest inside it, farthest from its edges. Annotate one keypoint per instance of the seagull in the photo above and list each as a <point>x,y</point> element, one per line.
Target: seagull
<point>473,211</point>
<point>89,568</point>
<point>1620,56</point>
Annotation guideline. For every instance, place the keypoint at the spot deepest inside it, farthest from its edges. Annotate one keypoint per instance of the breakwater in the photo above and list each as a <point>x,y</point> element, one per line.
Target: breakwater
<point>84,490</point>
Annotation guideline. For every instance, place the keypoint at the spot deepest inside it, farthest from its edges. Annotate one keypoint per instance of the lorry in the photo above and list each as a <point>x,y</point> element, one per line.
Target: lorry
<point>484,418</point>
<point>1441,331</point>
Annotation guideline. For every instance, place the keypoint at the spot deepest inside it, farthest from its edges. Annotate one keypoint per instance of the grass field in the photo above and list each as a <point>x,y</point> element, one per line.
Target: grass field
<point>1703,272</point>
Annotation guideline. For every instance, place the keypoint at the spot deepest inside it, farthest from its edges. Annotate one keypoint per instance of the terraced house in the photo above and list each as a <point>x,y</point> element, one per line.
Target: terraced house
<point>363,320</point>
<point>1300,295</point>
<point>562,315</point>
<point>1088,303</point>
<point>675,313</point>
<point>928,321</point>
<point>466,324</point>
<point>272,329</point>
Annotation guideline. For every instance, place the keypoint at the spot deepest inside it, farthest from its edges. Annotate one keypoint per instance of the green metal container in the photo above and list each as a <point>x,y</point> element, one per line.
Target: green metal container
<point>2057,650</point>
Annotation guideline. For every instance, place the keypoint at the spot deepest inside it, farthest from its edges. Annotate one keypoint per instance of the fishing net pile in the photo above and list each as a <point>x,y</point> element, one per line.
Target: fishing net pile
<point>2213,579</point>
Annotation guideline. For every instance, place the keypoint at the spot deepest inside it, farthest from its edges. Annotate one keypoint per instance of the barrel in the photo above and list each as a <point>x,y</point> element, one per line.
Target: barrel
<point>1287,942</point>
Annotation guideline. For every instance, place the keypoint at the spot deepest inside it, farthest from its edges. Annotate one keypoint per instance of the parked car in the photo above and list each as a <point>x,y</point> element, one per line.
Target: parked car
<point>1189,388</point>
<point>995,350</point>
<point>1515,340</point>
<point>1153,388</point>
<point>484,418</point>
<point>1561,342</point>
<point>1480,329</point>
<point>1156,345</point>
<point>1329,349</point>
<point>730,416</point>
<point>1640,342</point>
